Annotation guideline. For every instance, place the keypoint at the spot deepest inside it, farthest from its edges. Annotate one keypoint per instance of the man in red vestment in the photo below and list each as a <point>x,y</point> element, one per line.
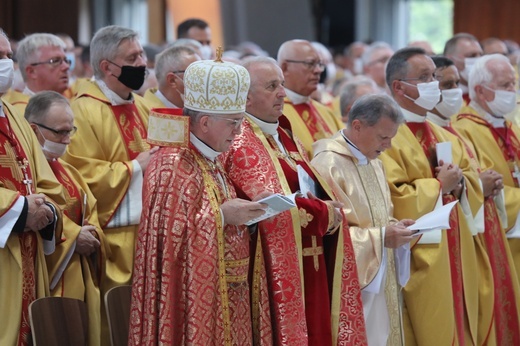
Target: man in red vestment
<point>29,223</point>
<point>296,250</point>
<point>192,260</point>
<point>301,67</point>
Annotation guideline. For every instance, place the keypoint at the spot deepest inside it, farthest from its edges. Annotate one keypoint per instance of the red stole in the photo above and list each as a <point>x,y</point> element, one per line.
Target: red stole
<point>74,201</point>
<point>506,140</point>
<point>16,173</point>
<point>427,139</point>
<point>315,123</point>
<point>504,310</point>
<point>132,129</point>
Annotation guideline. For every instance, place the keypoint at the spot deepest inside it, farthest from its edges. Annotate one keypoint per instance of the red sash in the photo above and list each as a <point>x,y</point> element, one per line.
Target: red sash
<point>504,310</point>
<point>505,138</point>
<point>132,129</point>
<point>427,139</point>
<point>313,120</point>
<point>73,195</point>
<point>15,172</point>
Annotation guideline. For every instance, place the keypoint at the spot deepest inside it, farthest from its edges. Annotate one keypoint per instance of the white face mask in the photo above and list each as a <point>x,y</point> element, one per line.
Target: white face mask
<point>358,66</point>
<point>53,148</point>
<point>450,103</point>
<point>6,75</point>
<point>429,94</point>
<point>504,102</point>
<point>331,73</point>
<point>205,52</point>
<point>72,57</point>
<point>468,66</point>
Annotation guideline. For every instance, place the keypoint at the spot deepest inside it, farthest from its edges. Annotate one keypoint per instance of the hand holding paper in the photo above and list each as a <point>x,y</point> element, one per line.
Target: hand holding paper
<point>276,203</point>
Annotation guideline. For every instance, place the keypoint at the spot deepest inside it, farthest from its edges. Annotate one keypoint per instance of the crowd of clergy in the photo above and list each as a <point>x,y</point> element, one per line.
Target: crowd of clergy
<point>256,200</point>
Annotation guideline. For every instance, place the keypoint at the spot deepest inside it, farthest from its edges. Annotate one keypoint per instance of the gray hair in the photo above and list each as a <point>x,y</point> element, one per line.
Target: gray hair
<point>194,44</point>
<point>397,66</point>
<point>194,115</point>
<point>480,73</point>
<point>450,47</point>
<point>171,59</point>
<point>370,108</point>
<point>28,51</point>
<point>105,45</point>
<point>349,90</point>
<point>371,49</point>
<point>39,105</point>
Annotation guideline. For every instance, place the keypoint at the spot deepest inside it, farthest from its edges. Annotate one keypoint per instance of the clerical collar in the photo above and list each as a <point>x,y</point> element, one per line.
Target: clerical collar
<point>164,100</point>
<point>204,149</point>
<point>410,117</point>
<point>493,120</point>
<point>28,91</point>
<point>362,159</point>
<point>437,119</point>
<point>295,98</point>
<point>267,128</point>
<point>115,99</point>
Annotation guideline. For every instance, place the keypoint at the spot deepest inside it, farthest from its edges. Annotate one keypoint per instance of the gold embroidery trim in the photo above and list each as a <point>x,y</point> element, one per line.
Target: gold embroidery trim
<point>236,278</point>
<point>237,263</point>
<point>305,217</point>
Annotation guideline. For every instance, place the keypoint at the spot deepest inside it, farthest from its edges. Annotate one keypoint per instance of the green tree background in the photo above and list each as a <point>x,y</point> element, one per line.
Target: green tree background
<point>431,21</point>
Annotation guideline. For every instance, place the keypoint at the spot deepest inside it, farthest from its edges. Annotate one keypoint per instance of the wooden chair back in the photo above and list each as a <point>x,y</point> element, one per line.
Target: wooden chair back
<point>58,321</point>
<point>117,303</point>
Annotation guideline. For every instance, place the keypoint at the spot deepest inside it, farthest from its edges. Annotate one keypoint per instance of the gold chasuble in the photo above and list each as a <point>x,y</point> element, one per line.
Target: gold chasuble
<point>190,280</point>
<point>311,121</point>
<point>17,99</point>
<point>108,139</point>
<point>367,204</point>
<point>442,293</point>
<point>296,262</point>
<point>152,99</point>
<point>71,274</point>
<point>23,278</point>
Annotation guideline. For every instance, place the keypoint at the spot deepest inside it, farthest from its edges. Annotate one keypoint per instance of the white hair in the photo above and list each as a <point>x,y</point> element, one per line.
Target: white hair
<point>480,73</point>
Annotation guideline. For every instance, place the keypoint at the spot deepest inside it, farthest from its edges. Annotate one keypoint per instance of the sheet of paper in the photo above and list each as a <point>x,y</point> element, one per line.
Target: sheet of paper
<point>276,204</point>
<point>443,150</point>
<point>439,218</point>
<point>306,182</point>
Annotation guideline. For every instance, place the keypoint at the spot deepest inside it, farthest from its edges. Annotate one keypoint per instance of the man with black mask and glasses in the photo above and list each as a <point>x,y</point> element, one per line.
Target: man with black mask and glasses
<point>110,148</point>
<point>44,67</point>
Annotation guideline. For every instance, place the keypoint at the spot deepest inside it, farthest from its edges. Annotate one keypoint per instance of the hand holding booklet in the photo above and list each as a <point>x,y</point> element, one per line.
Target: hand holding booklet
<point>437,219</point>
<point>276,203</point>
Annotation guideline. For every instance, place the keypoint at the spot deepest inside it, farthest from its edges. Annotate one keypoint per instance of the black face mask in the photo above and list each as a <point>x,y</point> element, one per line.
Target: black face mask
<point>131,76</point>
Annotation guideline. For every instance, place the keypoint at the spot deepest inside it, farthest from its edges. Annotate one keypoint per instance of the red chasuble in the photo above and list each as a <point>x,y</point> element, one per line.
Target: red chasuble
<point>427,139</point>
<point>133,132</point>
<point>290,253</point>
<point>15,171</point>
<point>190,275</point>
<point>315,123</point>
<point>505,311</point>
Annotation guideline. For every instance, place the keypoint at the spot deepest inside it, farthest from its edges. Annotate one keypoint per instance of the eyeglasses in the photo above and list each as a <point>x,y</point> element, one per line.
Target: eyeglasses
<point>60,133</point>
<point>311,65</point>
<point>236,122</point>
<point>54,62</point>
<point>425,78</point>
<point>179,71</point>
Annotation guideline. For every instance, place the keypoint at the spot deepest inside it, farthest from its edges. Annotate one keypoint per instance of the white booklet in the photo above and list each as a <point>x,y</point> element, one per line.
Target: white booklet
<point>443,150</point>
<point>437,219</point>
<point>305,181</point>
<point>276,204</point>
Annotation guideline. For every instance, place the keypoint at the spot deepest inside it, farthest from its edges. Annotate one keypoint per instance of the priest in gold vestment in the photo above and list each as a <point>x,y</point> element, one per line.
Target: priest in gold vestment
<point>190,282</point>
<point>169,68</point>
<point>496,142</point>
<point>442,292</point>
<point>110,149</point>
<point>77,265</point>
<point>380,242</point>
<point>302,254</point>
<point>29,226</point>
<point>310,120</point>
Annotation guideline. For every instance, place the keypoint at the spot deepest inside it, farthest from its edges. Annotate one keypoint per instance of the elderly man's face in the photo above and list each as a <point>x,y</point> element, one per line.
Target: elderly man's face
<point>375,68</point>
<point>222,130</point>
<point>303,69</point>
<point>266,95</point>
<point>48,70</point>
<point>373,140</point>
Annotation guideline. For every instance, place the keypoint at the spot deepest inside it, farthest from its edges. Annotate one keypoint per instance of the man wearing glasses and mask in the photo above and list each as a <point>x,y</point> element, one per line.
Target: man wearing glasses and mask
<point>110,148</point>
<point>442,292</point>
<point>302,67</point>
<point>43,65</point>
<point>169,68</point>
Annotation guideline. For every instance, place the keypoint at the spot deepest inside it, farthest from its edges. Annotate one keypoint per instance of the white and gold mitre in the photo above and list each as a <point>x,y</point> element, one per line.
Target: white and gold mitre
<point>217,87</point>
<point>167,127</point>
